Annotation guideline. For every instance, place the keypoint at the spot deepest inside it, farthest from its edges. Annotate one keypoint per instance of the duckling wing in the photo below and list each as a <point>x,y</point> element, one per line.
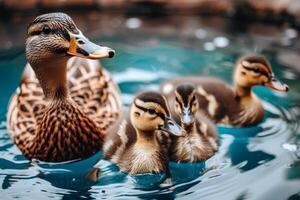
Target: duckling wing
<point>25,110</point>
<point>207,129</point>
<point>92,88</point>
<point>118,141</point>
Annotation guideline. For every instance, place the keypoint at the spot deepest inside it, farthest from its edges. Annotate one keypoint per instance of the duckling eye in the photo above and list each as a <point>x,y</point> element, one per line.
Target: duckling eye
<point>256,70</point>
<point>151,111</point>
<point>46,30</point>
<point>194,98</point>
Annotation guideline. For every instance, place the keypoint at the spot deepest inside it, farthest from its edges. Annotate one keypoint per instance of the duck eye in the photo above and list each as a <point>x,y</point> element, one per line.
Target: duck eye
<point>256,70</point>
<point>46,30</point>
<point>194,98</point>
<point>151,111</point>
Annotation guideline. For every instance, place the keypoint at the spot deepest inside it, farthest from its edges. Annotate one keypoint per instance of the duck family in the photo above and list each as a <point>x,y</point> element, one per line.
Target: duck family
<point>68,108</point>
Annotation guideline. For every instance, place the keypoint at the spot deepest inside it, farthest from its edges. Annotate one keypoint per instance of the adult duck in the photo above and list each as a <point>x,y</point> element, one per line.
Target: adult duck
<point>64,106</point>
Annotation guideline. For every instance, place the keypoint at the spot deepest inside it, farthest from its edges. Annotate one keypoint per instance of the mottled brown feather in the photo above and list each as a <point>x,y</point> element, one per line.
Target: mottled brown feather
<point>60,131</point>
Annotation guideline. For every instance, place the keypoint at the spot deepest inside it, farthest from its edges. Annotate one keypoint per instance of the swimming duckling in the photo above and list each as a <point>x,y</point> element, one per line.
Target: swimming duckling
<point>201,139</point>
<point>238,105</point>
<point>63,107</point>
<point>140,145</point>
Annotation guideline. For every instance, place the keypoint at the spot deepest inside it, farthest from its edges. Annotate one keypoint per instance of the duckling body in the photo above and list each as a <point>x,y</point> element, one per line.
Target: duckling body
<point>199,144</point>
<point>233,105</point>
<point>140,145</point>
<point>136,156</point>
<point>63,107</point>
<point>201,139</point>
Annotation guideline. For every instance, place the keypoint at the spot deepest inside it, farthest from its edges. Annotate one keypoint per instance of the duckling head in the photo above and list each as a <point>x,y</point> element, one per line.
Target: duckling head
<point>186,104</point>
<point>55,35</point>
<point>149,112</point>
<point>254,70</point>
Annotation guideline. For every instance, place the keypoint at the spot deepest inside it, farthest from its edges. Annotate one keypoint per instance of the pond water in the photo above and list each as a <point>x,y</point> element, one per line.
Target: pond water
<point>257,162</point>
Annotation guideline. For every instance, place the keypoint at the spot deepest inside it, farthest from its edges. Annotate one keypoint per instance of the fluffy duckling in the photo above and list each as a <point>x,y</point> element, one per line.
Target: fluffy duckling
<point>141,144</point>
<point>63,107</point>
<point>201,139</point>
<point>238,105</point>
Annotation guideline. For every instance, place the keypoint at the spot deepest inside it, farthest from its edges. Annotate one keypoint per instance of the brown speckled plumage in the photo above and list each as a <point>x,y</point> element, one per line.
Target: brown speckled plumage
<point>65,130</point>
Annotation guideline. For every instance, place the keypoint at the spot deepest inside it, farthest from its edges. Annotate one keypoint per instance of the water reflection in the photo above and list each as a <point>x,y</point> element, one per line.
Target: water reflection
<point>133,23</point>
<point>239,152</point>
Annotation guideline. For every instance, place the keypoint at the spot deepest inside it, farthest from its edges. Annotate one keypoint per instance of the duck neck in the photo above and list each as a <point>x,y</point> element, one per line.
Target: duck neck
<point>250,107</point>
<point>146,137</point>
<point>52,75</point>
<point>189,128</point>
<point>242,92</point>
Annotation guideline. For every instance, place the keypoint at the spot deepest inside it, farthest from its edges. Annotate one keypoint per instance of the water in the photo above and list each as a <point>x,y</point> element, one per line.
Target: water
<point>257,162</point>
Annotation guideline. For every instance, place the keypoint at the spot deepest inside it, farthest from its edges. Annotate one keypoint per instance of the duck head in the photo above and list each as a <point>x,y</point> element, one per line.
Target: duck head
<point>55,35</point>
<point>186,103</point>
<point>254,70</point>
<point>149,112</point>
<point>51,40</point>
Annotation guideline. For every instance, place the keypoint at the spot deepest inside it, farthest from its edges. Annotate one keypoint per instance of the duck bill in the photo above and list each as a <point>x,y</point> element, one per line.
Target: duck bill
<point>80,46</point>
<point>172,127</point>
<point>277,85</point>
<point>186,117</point>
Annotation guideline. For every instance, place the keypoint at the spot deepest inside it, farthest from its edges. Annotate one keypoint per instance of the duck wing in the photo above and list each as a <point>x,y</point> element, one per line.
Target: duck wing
<point>92,88</point>
<point>122,136</point>
<point>25,110</point>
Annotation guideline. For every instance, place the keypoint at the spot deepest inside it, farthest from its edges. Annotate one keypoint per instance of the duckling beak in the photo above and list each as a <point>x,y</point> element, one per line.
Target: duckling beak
<point>277,85</point>
<point>186,117</point>
<point>80,46</point>
<point>172,127</point>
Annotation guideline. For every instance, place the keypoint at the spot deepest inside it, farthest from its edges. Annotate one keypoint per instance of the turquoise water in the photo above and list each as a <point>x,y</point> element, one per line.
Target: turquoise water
<point>258,162</point>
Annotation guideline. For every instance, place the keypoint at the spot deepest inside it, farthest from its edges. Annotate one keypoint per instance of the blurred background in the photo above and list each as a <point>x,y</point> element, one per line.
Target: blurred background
<point>160,39</point>
<point>271,10</point>
<point>283,13</point>
<point>274,10</point>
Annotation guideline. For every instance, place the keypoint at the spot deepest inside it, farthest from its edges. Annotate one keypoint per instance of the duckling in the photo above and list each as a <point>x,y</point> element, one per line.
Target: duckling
<point>141,144</point>
<point>64,105</point>
<point>201,139</point>
<point>237,106</point>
